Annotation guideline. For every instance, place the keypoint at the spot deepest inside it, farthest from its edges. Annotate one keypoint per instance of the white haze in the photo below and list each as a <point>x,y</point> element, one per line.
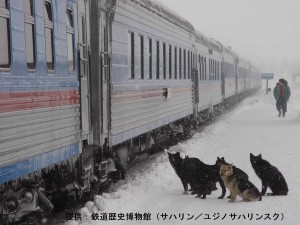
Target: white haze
<point>265,31</point>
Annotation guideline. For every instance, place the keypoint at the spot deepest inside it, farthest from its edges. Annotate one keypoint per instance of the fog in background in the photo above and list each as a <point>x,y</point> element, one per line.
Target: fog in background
<point>267,32</point>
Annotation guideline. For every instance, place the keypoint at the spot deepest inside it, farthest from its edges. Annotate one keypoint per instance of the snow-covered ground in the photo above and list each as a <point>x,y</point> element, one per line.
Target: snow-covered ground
<point>252,127</point>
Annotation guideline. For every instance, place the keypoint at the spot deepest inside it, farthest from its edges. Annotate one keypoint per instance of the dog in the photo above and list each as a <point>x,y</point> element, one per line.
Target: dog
<point>269,175</point>
<point>211,175</point>
<point>238,186</point>
<point>190,172</point>
<point>236,171</point>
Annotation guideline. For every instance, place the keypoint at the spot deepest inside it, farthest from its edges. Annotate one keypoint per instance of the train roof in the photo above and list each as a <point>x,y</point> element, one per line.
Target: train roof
<point>215,45</point>
<point>209,42</point>
<point>227,49</point>
<point>162,10</point>
<point>201,38</point>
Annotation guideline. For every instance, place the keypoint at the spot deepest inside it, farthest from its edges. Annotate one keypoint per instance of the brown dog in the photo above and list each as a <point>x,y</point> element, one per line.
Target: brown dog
<point>238,186</point>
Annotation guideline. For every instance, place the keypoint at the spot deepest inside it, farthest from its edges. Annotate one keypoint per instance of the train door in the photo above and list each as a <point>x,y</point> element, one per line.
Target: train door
<point>83,37</point>
<point>100,22</point>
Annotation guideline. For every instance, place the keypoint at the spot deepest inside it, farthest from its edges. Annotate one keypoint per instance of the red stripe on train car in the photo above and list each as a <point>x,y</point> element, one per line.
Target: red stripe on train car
<point>16,101</point>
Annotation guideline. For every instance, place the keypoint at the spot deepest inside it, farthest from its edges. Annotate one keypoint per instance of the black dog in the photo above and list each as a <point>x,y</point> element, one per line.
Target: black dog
<point>238,173</point>
<point>205,181</point>
<point>211,174</point>
<point>190,171</point>
<point>270,176</point>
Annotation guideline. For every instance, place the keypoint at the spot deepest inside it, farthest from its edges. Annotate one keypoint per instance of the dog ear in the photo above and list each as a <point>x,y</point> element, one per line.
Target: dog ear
<point>223,158</point>
<point>259,156</point>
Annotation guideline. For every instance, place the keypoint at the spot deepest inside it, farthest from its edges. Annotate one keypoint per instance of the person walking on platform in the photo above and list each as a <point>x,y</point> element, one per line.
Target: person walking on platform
<point>282,94</point>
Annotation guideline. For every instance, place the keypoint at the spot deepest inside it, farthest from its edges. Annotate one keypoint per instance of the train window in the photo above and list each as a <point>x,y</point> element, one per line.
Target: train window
<point>180,64</point>
<point>3,4</point>
<point>184,64</point>
<point>199,62</point>
<point>157,59</point>
<point>170,61</point>
<point>205,69</point>
<point>49,35</point>
<point>209,69</point>
<point>214,69</point>
<point>150,58</point>
<point>70,40</point>
<point>141,55</point>
<point>218,69</point>
<point>175,62</point>
<point>200,66</point>
<point>164,62</point>
<point>29,34</point>
<point>5,53</point>
<point>130,55</point>
<point>192,61</point>
<point>189,64</point>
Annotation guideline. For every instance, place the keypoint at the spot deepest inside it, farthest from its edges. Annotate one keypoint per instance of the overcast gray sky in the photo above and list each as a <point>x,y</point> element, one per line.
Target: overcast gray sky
<point>265,31</point>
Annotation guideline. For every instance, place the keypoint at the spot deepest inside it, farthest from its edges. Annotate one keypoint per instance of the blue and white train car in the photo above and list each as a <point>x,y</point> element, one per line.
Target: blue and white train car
<point>208,79</point>
<point>229,73</point>
<point>151,68</point>
<point>255,80</point>
<point>243,75</point>
<point>39,107</point>
<point>214,68</point>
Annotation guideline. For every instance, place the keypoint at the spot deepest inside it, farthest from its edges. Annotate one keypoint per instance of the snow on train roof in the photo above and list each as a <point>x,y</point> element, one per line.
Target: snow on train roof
<point>201,38</point>
<point>227,49</point>
<point>209,42</point>
<point>162,10</point>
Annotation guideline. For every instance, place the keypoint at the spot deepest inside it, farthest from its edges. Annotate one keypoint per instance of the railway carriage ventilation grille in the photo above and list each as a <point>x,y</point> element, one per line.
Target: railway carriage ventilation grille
<point>5,55</point>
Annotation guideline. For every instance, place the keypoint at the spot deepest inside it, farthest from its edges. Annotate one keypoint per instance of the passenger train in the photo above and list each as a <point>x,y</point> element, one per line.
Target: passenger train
<point>86,86</point>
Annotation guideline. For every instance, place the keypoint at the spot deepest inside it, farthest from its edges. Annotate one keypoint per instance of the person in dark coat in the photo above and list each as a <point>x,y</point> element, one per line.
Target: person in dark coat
<point>282,94</point>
